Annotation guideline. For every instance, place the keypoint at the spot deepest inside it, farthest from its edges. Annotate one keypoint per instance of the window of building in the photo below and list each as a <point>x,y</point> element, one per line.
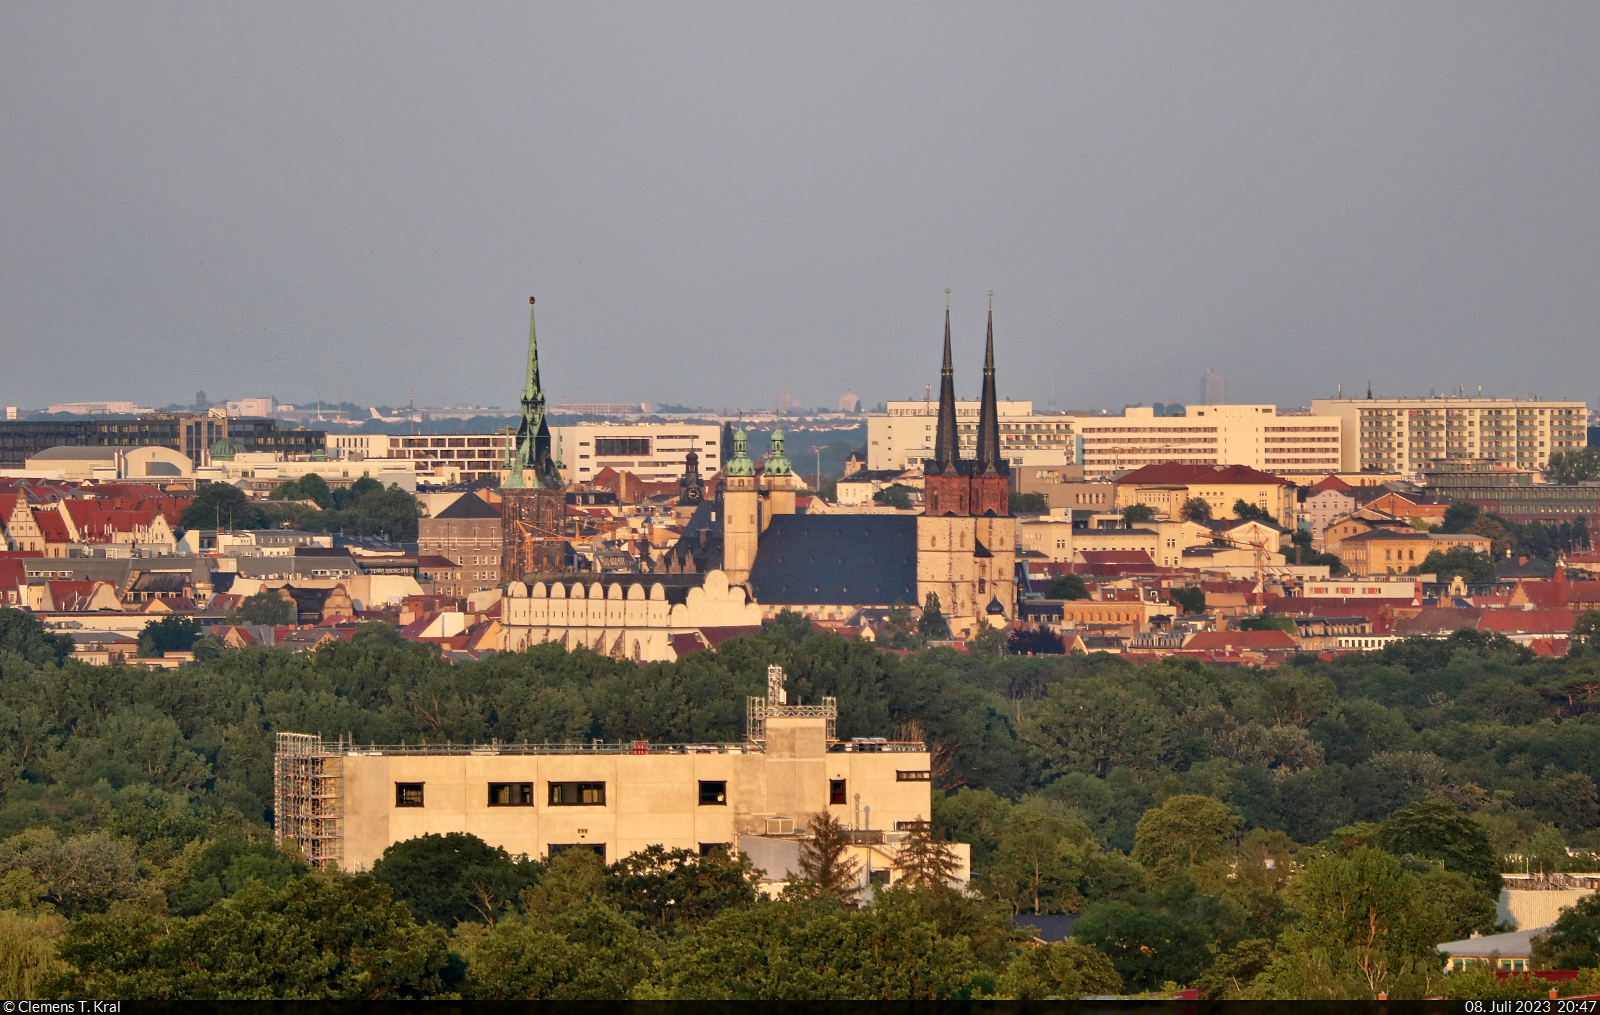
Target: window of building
<point>912,776</point>
<point>707,848</point>
<point>713,793</point>
<point>626,446</point>
<point>837,794</point>
<point>408,794</point>
<point>511,794</point>
<point>599,848</point>
<point>577,794</point>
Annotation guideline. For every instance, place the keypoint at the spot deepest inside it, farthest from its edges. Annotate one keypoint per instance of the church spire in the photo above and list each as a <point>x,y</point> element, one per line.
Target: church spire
<point>532,448</point>
<point>989,411</point>
<point>947,440</point>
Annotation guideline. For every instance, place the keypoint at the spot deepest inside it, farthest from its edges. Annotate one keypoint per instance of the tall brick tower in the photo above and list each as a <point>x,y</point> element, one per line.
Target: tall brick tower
<point>966,537</point>
<point>953,485</point>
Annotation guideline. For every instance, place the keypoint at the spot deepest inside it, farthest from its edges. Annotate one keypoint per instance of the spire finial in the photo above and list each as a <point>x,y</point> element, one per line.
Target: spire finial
<point>946,439</point>
<point>989,410</point>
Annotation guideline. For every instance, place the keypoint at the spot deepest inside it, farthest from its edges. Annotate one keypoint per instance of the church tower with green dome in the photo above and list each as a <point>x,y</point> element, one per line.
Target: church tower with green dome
<point>778,483</point>
<point>741,508</point>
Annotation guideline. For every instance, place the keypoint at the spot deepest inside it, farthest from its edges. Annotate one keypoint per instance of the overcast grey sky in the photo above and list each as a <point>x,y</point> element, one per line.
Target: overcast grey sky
<point>712,201</point>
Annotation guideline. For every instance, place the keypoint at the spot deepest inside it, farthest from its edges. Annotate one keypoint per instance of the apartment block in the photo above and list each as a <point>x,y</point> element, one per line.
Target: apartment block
<point>1407,435</point>
<point>1256,436</point>
<point>901,438</point>
<point>446,460</point>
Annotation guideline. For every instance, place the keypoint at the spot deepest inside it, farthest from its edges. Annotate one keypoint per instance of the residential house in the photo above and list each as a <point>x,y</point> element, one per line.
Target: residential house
<point>1394,551</point>
<point>1167,487</point>
<point>469,535</point>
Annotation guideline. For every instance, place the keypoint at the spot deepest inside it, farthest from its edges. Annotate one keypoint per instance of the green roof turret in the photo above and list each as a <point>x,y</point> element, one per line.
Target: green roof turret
<point>777,462</point>
<point>740,464</point>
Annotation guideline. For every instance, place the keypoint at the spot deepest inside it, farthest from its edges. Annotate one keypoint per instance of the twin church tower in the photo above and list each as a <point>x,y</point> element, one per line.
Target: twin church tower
<point>967,486</point>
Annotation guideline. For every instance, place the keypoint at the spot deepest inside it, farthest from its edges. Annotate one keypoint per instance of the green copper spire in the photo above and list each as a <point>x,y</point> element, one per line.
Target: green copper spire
<point>777,464</point>
<point>532,448</point>
<point>740,464</point>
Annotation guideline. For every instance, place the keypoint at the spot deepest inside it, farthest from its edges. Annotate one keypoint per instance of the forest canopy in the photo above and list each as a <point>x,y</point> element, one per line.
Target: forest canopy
<point>1205,825</point>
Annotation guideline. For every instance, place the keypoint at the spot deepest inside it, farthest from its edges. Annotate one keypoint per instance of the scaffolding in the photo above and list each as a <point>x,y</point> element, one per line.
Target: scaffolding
<point>308,799</point>
<point>776,706</point>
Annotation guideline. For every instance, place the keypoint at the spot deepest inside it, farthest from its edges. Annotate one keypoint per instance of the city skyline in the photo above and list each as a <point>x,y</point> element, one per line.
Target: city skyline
<point>713,203</point>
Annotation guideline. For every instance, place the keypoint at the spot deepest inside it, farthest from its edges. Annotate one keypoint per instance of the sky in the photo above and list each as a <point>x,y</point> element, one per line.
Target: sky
<point>715,203</point>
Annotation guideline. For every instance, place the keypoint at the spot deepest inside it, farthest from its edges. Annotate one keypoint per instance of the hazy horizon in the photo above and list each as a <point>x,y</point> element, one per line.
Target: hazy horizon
<point>714,202</point>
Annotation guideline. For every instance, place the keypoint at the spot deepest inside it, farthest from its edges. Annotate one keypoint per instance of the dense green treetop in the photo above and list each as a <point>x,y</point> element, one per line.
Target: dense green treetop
<point>1209,825</point>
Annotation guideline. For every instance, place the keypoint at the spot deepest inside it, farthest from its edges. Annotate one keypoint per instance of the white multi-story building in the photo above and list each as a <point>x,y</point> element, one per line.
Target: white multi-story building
<point>652,451</point>
<point>1407,435</point>
<point>1293,446</point>
<point>358,445</point>
<point>436,459</point>
<point>97,409</point>
<point>251,407</point>
<point>903,437</point>
<point>655,452</point>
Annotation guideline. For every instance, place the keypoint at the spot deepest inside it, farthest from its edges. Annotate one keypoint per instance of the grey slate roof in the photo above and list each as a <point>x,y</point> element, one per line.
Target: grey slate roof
<point>1516,944</point>
<point>72,453</point>
<point>1536,567</point>
<point>847,560</point>
<point>469,505</point>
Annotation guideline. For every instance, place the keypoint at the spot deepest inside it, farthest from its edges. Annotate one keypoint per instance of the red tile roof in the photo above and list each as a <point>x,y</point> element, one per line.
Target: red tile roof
<point>717,635</point>
<point>52,525</point>
<point>74,597</point>
<point>1585,594</point>
<point>13,575</point>
<point>1174,473</point>
<point>1241,641</point>
<point>684,644</point>
<point>1437,620</point>
<point>1330,483</point>
<point>96,523</point>
<point>1550,622</point>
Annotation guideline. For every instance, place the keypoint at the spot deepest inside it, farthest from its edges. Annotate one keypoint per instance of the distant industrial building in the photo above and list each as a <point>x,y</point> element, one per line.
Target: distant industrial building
<point>193,434</point>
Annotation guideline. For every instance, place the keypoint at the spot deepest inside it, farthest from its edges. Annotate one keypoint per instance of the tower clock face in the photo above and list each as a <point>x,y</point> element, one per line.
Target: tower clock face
<point>693,493</point>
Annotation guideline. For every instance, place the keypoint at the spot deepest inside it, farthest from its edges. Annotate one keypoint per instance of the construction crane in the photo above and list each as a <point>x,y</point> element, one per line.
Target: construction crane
<point>1261,551</point>
<point>531,535</point>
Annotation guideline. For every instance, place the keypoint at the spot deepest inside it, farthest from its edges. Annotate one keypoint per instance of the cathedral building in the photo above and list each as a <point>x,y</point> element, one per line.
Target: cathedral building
<point>745,555</point>
<point>962,549</point>
<point>966,537</point>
